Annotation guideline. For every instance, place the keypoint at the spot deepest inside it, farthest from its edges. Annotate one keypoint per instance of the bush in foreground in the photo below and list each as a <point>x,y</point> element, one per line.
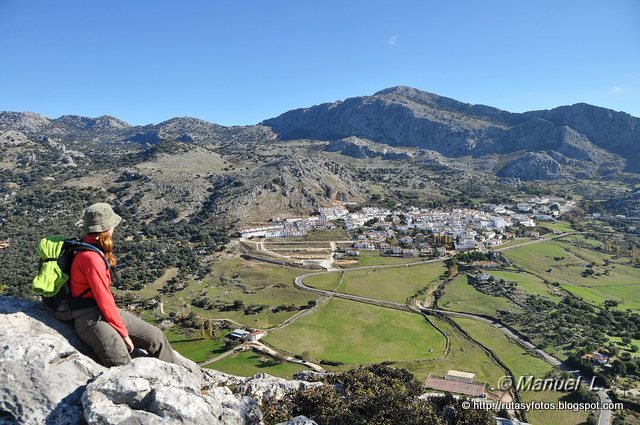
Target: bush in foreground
<point>375,394</point>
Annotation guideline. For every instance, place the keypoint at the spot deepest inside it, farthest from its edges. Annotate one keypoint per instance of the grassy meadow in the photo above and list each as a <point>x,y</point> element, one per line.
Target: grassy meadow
<point>463,355</point>
<point>520,361</point>
<point>390,284</point>
<point>252,282</point>
<point>564,261</point>
<point>553,417</point>
<point>373,258</point>
<point>460,296</point>
<point>192,346</point>
<point>248,363</point>
<point>529,283</point>
<point>354,333</point>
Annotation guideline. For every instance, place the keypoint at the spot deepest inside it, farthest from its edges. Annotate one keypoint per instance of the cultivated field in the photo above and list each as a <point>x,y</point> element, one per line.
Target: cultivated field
<point>351,332</point>
<point>337,234</point>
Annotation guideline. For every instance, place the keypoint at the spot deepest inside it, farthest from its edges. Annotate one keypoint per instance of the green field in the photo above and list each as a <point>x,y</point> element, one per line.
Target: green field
<point>463,355</point>
<point>520,361</point>
<point>327,281</point>
<point>618,342</point>
<point>355,333</point>
<point>390,284</point>
<point>151,290</point>
<point>563,261</point>
<point>252,282</point>
<point>193,347</point>
<point>514,242</point>
<point>460,296</point>
<point>558,226</point>
<point>248,363</point>
<point>553,417</point>
<point>529,283</point>
<point>373,258</point>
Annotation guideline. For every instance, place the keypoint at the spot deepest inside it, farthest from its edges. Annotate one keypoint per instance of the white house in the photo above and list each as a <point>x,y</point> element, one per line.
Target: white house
<point>528,223</point>
<point>256,335</point>
<point>465,244</point>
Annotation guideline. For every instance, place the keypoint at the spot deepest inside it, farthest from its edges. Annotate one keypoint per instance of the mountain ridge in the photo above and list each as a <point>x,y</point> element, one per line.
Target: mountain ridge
<point>581,136</point>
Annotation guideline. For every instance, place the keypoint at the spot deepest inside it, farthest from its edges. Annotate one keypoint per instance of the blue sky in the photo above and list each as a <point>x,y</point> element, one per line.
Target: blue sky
<point>239,62</point>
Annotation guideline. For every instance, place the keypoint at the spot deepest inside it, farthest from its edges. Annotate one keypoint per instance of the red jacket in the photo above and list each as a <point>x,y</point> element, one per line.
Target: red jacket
<point>88,271</point>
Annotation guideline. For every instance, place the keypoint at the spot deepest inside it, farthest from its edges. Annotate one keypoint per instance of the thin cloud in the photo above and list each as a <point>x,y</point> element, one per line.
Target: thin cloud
<point>391,41</point>
<point>617,90</point>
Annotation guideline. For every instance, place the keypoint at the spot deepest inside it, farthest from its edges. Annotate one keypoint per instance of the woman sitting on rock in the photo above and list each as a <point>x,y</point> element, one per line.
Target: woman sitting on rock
<point>112,333</point>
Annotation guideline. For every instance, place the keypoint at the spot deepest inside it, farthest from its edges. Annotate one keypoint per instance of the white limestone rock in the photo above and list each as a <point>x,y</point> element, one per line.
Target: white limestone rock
<point>263,387</point>
<point>42,376</point>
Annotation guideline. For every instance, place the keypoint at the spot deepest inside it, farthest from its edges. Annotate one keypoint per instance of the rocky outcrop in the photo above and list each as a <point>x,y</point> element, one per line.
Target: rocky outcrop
<point>149,391</point>
<point>48,377</point>
<point>361,148</point>
<point>533,166</point>
<point>23,121</point>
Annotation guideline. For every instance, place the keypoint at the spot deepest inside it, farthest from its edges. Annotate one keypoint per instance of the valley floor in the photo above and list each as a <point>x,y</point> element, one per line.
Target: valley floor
<point>330,326</point>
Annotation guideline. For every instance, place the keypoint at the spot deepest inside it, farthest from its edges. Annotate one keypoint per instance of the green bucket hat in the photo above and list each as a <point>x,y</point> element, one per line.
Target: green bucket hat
<point>99,218</point>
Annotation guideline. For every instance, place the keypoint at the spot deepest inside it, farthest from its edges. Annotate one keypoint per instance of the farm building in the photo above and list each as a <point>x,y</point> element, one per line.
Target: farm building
<point>256,335</point>
<point>238,334</point>
<point>456,387</point>
<point>456,375</point>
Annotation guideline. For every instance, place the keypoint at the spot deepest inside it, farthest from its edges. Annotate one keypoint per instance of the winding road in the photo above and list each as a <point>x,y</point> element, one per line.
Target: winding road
<point>605,414</point>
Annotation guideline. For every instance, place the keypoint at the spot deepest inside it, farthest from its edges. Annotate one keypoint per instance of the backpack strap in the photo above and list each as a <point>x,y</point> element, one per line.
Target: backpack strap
<point>74,246</point>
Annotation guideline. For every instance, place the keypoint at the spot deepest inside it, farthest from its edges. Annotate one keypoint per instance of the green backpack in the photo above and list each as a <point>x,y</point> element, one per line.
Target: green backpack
<point>52,282</point>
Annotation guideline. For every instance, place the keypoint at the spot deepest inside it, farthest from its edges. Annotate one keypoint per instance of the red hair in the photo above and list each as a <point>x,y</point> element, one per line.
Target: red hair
<point>105,243</point>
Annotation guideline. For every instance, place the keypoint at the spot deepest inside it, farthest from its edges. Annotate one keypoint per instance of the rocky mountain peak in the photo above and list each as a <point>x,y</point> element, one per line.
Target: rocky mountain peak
<point>23,121</point>
<point>103,122</point>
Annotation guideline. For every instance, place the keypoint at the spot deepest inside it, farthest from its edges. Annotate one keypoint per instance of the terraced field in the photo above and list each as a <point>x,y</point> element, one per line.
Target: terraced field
<point>373,258</point>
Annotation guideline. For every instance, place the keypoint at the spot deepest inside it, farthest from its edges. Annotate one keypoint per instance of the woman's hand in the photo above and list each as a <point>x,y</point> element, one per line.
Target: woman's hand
<point>128,343</point>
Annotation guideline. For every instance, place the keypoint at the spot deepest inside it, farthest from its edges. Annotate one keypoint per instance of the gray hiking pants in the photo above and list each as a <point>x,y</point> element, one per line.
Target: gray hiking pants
<point>109,346</point>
